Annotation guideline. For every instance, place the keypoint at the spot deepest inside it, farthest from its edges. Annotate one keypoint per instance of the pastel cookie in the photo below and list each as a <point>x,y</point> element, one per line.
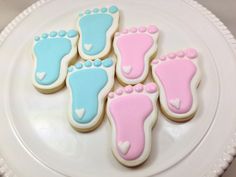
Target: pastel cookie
<point>178,76</point>
<point>132,112</point>
<point>89,84</point>
<point>134,48</point>
<point>97,27</point>
<point>52,53</point>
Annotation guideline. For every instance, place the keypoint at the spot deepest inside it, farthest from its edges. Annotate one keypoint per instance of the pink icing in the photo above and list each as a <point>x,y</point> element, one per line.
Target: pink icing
<point>180,54</point>
<point>119,91</point>
<point>128,89</point>
<point>176,76</point>
<point>151,87</point>
<point>191,53</point>
<point>129,113</point>
<point>155,61</point>
<point>172,55</point>
<point>111,95</point>
<point>138,87</point>
<point>133,30</point>
<point>142,29</point>
<point>162,58</point>
<point>117,34</point>
<point>133,48</point>
<point>152,29</point>
<point>125,31</point>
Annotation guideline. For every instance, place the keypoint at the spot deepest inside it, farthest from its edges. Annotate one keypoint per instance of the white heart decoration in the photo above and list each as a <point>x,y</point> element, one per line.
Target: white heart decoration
<point>80,112</point>
<point>40,75</point>
<point>124,147</point>
<point>127,69</point>
<point>176,103</point>
<point>88,46</point>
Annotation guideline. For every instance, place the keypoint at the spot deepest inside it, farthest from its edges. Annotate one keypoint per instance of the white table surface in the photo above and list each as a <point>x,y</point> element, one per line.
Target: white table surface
<point>224,9</point>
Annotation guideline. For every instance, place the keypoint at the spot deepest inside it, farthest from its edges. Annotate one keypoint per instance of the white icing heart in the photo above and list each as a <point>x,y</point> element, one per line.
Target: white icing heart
<point>176,103</point>
<point>88,46</point>
<point>124,147</point>
<point>127,69</point>
<point>80,112</point>
<point>40,75</point>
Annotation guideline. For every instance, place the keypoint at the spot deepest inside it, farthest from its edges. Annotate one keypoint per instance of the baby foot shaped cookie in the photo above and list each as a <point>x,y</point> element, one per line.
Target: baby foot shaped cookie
<point>132,112</point>
<point>134,48</point>
<point>52,54</point>
<point>97,27</point>
<point>89,84</point>
<point>178,76</point>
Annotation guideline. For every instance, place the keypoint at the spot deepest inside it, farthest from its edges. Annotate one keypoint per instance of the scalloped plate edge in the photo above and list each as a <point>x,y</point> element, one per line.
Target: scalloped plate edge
<point>230,149</point>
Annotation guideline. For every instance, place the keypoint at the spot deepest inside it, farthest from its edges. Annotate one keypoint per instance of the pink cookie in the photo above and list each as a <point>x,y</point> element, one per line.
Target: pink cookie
<point>134,48</point>
<point>178,76</point>
<point>132,111</point>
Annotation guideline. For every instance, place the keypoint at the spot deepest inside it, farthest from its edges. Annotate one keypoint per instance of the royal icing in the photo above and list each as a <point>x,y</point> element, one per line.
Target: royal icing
<point>52,53</point>
<point>132,112</point>
<point>96,28</point>
<point>134,48</point>
<point>89,83</point>
<point>178,76</point>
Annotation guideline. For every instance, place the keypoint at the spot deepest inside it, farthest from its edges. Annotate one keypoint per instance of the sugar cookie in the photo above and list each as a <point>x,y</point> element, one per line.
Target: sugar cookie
<point>52,53</point>
<point>97,27</point>
<point>89,84</point>
<point>132,112</point>
<point>178,76</point>
<point>134,48</point>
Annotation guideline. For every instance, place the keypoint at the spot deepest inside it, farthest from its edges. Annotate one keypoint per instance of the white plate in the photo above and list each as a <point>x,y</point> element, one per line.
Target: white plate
<point>36,139</point>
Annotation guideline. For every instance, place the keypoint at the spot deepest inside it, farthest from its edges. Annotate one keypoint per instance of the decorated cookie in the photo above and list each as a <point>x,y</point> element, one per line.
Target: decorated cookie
<point>134,48</point>
<point>97,27</point>
<point>132,112</point>
<point>178,76</point>
<point>52,53</point>
<point>89,84</point>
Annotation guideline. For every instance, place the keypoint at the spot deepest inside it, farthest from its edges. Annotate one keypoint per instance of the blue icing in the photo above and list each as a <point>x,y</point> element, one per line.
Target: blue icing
<point>72,33</point>
<point>88,11</point>
<point>88,63</point>
<point>107,62</point>
<point>97,63</point>
<point>78,65</point>
<point>93,31</point>
<point>96,10</point>
<point>44,35</point>
<point>53,34</point>
<point>49,53</point>
<point>113,9</point>
<point>36,38</point>
<point>62,33</point>
<point>85,87</point>
<point>70,69</point>
<point>104,9</point>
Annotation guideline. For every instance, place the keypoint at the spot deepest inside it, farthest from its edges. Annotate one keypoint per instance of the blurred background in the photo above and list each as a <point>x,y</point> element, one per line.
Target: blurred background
<point>223,9</point>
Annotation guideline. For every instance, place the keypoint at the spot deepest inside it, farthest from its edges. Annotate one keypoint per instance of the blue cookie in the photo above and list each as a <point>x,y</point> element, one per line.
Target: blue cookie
<point>89,84</point>
<point>96,28</point>
<point>52,53</point>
